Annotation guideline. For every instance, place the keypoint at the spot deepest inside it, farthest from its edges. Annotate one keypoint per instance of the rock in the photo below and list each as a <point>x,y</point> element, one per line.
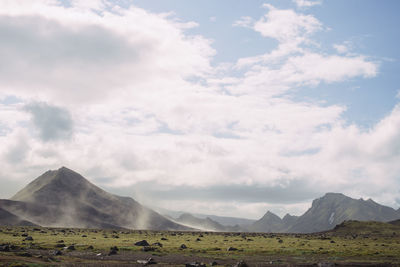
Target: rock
<point>84,235</point>
<point>163,239</point>
<point>213,263</point>
<point>231,249</point>
<point>195,264</point>
<point>113,251</point>
<point>148,248</point>
<point>158,244</point>
<point>147,262</point>
<point>5,248</point>
<point>142,243</point>
<point>90,247</point>
<point>326,264</point>
<point>25,254</point>
<point>198,239</point>
<point>72,247</point>
<point>28,238</point>
<point>280,241</point>
<point>240,264</point>
<point>56,253</point>
<point>183,246</point>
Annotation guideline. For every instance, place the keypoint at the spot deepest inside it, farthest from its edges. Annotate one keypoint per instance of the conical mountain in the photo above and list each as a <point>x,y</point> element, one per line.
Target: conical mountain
<point>334,208</point>
<point>65,198</point>
<point>269,223</point>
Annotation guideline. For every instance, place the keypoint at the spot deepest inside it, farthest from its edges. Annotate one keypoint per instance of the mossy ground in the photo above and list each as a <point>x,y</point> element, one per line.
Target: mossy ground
<point>352,243</point>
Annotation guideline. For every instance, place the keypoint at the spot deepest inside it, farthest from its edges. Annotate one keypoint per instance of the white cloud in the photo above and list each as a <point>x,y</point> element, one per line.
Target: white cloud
<point>245,21</point>
<point>307,3</point>
<point>94,55</point>
<point>341,48</point>
<point>287,25</point>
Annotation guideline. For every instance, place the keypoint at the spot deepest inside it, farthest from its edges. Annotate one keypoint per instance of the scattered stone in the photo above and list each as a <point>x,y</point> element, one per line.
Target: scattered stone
<point>158,244</point>
<point>240,264</point>
<point>231,249</point>
<point>198,239</point>
<point>147,262</point>
<point>213,263</point>
<point>25,254</point>
<point>280,241</point>
<point>142,243</point>
<point>60,241</point>
<point>183,246</point>
<point>332,242</point>
<point>326,264</point>
<point>24,235</point>
<point>57,253</point>
<point>28,238</point>
<point>90,247</point>
<point>163,239</point>
<point>195,264</point>
<point>148,248</point>
<point>60,245</point>
<point>72,247</point>
<point>84,235</point>
<point>113,251</point>
<point>5,248</point>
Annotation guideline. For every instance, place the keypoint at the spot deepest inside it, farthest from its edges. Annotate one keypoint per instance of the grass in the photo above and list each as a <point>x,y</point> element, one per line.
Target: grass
<point>352,242</point>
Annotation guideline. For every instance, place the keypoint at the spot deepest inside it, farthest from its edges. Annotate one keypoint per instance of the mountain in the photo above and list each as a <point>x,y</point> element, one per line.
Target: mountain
<point>64,198</point>
<point>224,220</point>
<point>288,220</point>
<point>228,221</point>
<point>334,208</point>
<point>206,224</point>
<point>9,219</point>
<point>269,223</point>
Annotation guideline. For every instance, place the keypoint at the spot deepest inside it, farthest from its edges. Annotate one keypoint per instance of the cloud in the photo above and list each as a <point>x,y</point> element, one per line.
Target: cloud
<point>81,55</point>
<point>287,25</point>
<point>52,123</point>
<point>307,3</point>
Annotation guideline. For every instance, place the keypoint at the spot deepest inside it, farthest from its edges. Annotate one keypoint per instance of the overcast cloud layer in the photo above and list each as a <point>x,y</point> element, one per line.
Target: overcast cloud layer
<point>132,101</point>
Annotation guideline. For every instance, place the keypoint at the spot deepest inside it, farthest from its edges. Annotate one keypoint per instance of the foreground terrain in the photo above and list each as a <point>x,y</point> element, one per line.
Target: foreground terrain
<point>351,243</point>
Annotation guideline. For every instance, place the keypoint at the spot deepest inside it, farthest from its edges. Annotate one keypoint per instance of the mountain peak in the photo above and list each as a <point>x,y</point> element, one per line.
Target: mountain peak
<point>52,183</point>
<point>270,216</point>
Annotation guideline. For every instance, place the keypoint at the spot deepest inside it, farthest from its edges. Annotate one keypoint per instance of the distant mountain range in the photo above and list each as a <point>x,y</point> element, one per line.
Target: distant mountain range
<point>325,213</point>
<point>64,198</point>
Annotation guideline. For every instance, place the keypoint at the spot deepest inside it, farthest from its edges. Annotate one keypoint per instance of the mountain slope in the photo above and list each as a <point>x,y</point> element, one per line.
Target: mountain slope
<point>9,219</point>
<point>65,198</point>
<point>334,208</point>
<point>206,224</point>
<point>268,223</point>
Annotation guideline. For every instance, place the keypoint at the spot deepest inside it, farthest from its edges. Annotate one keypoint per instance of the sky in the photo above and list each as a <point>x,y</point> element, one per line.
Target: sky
<point>227,107</point>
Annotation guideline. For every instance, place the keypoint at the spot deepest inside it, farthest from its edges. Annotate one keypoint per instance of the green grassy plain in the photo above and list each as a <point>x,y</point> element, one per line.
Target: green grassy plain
<point>351,243</point>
